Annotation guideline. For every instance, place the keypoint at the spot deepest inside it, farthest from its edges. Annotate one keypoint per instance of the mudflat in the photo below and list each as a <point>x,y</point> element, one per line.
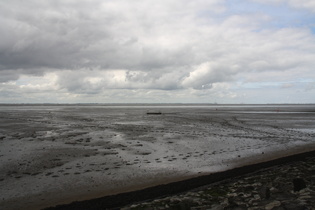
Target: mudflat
<point>57,154</point>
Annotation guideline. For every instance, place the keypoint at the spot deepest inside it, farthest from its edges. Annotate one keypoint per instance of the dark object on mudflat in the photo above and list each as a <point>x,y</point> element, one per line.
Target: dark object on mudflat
<point>299,184</point>
<point>154,113</point>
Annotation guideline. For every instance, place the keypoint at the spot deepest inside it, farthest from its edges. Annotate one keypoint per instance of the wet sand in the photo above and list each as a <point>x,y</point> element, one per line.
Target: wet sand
<point>54,155</point>
<point>150,198</point>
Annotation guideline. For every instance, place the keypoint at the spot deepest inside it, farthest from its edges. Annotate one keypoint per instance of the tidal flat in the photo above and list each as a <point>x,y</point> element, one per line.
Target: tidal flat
<point>57,154</point>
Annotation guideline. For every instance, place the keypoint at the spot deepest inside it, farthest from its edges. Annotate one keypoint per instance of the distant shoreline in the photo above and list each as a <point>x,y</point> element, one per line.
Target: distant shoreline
<point>150,104</point>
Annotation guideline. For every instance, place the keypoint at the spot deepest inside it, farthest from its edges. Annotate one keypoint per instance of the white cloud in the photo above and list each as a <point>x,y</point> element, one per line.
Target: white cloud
<point>303,4</point>
<point>165,49</point>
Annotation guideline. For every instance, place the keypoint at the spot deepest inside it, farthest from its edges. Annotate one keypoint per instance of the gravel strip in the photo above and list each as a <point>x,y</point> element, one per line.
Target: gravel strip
<point>287,186</point>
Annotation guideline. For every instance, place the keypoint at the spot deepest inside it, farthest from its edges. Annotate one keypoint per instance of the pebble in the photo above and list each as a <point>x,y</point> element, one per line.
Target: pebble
<point>272,205</point>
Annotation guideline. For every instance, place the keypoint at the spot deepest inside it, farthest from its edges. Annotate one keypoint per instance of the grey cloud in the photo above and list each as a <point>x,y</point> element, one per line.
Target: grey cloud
<point>68,35</point>
<point>96,81</point>
<point>43,38</point>
<point>8,76</point>
<point>97,46</point>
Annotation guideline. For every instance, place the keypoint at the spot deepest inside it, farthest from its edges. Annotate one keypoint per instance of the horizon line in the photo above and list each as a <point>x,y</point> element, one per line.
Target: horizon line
<point>156,103</point>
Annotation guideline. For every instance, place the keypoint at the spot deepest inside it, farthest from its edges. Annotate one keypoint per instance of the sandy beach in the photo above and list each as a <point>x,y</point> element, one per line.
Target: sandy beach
<point>52,155</point>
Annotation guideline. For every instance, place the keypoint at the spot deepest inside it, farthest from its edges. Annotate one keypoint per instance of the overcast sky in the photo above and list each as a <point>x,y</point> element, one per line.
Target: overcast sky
<point>183,51</point>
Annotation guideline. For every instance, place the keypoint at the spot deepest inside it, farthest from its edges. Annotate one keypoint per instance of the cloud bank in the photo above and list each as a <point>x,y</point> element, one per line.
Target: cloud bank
<point>149,51</point>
